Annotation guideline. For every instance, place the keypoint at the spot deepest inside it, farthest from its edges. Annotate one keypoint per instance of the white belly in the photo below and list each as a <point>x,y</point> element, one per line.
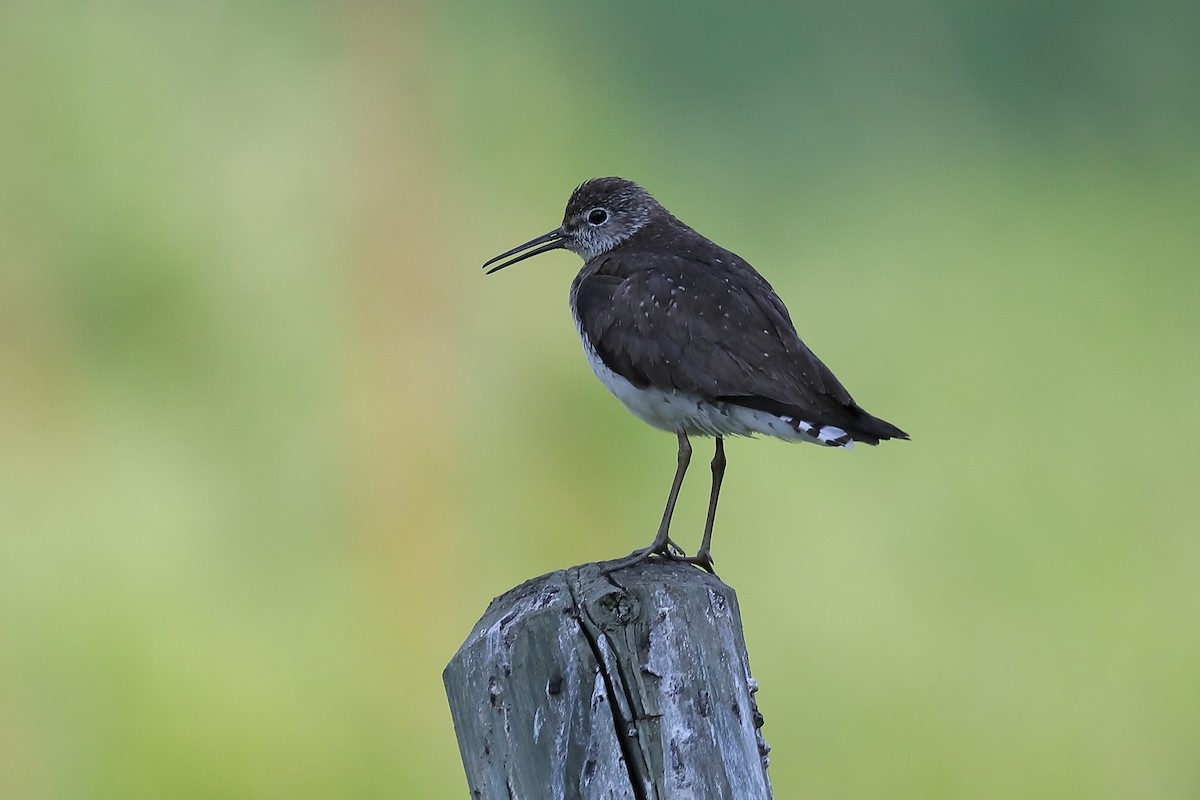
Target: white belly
<point>676,411</point>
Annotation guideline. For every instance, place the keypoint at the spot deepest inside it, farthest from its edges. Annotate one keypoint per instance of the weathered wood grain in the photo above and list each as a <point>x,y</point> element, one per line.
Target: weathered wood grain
<point>631,685</point>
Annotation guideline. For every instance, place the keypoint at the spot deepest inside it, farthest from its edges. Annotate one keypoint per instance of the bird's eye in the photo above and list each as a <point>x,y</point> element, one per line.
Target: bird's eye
<point>597,216</point>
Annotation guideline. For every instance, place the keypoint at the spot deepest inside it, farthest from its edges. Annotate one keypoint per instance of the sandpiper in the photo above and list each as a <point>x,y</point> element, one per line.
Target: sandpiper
<point>691,339</point>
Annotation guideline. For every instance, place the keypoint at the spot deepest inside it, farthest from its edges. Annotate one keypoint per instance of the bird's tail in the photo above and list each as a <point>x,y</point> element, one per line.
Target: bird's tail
<point>837,425</point>
<point>869,429</point>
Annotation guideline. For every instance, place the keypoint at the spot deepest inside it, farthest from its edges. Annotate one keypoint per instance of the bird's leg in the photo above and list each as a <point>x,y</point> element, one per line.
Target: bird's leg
<point>702,557</point>
<point>662,543</point>
<point>659,545</point>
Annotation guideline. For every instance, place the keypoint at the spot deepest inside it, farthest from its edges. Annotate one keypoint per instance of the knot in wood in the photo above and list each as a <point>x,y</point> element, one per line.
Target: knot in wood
<point>614,610</point>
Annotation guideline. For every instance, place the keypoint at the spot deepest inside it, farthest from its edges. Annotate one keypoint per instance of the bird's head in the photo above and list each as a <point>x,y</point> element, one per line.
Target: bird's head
<point>602,213</point>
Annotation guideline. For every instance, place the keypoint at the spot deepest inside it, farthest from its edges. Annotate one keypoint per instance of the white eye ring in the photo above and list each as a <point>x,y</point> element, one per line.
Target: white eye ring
<point>597,216</point>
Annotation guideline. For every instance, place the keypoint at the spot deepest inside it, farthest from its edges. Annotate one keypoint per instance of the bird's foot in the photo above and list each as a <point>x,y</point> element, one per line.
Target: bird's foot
<point>702,560</point>
<point>669,551</point>
<point>636,557</point>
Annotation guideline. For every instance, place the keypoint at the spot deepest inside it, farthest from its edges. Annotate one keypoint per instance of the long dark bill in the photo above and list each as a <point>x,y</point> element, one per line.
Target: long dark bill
<point>554,237</point>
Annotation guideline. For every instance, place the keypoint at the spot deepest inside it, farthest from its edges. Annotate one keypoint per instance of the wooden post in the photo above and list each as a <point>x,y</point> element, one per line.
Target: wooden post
<point>631,685</point>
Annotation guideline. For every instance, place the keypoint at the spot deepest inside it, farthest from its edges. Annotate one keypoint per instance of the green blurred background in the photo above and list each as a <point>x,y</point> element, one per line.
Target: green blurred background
<point>269,441</point>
